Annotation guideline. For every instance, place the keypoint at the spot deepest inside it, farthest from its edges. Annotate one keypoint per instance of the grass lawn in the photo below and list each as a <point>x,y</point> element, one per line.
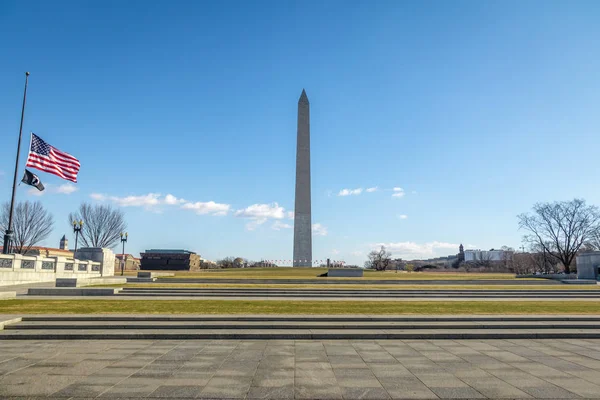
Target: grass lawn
<point>313,273</point>
<point>354,287</point>
<point>97,306</point>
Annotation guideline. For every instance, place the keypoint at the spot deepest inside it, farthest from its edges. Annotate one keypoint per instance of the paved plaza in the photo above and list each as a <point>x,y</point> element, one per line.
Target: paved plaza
<point>288,369</point>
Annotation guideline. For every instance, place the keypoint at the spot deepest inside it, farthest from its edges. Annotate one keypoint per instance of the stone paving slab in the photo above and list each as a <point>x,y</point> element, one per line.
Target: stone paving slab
<point>301,369</point>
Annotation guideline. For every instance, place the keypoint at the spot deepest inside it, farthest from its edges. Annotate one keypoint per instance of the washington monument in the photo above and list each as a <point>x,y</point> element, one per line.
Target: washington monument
<point>302,213</point>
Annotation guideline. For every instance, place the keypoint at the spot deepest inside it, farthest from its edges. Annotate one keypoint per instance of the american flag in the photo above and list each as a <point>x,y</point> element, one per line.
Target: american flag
<point>49,159</point>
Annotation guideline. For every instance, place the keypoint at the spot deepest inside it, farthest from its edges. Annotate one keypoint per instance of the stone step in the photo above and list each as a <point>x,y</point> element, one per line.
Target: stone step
<point>313,318</point>
<point>7,295</point>
<point>128,292</point>
<point>357,291</point>
<point>347,281</point>
<point>276,325</point>
<point>299,334</point>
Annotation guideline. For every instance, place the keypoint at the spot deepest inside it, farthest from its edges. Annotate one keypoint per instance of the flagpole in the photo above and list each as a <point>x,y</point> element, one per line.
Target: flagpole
<point>9,232</point>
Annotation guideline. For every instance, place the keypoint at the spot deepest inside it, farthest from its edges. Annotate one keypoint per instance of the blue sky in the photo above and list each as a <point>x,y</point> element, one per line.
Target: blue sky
<point>476,110</point>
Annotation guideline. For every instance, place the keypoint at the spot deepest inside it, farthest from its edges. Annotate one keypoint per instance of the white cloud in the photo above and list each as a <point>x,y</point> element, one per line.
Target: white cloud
<point>172,200</point>
<point>402,216</point>
<point>146,200</point>
<point>34,192</point>
<point>209,207</point>
<point>153,201</point>
<point>253,224</point>
<point>372,189</point>
<point>415,250</point>
<point>278,225</point>
<point>398,192</point>
<point>319,230</point>
<point>350,192</point>
<point>290,215</point>
<point>260,211</point>
<point>335,252</point>
<point>66,188</point>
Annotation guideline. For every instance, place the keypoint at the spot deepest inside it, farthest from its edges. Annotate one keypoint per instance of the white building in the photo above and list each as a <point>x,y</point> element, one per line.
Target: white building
<point>487,255</point>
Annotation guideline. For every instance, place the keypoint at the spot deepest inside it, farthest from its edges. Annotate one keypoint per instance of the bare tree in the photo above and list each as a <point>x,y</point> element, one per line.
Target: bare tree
<point>522,264</point>
<point>484,260</point>
<point>102,225</point>
<point>379,260</point>
<point>507,257</point>
<point>561,228</point>
<point>541,259</point>
<point>593,242</point>
<point>32,223</point>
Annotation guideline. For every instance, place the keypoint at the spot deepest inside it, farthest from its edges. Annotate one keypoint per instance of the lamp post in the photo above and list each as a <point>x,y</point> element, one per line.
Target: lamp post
<point>77,228</point>
<point>123,240</point>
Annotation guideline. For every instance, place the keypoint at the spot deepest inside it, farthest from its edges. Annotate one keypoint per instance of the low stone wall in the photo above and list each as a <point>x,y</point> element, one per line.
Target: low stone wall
<point>16,268</point>
<point>558,277</point>
<point>67,291</point>
<point>150,274</point>
<point>345,272</point>
<point>105,257</point>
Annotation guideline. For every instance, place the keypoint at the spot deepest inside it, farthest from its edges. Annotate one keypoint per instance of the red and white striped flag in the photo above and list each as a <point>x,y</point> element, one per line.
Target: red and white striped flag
<point>49,159</point>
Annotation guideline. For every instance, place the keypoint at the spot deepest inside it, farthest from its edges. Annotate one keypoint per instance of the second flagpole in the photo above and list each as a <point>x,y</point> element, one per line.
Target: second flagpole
<point>9,232</point>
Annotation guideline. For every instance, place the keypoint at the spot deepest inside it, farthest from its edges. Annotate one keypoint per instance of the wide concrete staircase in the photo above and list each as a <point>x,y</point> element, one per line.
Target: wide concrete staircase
<point>301,327</point>
<point>358,293</point>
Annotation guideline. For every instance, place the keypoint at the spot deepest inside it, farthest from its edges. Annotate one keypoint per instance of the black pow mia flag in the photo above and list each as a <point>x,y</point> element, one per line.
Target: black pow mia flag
<point>32,179</point>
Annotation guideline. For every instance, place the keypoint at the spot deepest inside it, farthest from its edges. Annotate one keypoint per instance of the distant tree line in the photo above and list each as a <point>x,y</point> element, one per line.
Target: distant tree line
<point>555,233</point>
<point>33,223</point>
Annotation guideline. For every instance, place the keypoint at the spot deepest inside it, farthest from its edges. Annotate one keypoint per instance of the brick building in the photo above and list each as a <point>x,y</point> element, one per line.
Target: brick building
<point>170,260</point>
<point>61,251</point>
<point>131,263</point>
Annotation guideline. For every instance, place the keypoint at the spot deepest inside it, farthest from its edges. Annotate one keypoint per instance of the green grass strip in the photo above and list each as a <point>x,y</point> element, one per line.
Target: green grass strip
<point>96,306</point>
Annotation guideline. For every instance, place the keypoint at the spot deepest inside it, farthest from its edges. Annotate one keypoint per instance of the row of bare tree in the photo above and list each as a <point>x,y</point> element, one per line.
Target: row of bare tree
<point>555,233</point>
<point>32,224</point>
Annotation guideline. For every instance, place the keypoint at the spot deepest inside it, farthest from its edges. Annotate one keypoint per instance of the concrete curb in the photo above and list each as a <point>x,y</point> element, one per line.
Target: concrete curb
<point>300,336</point>
<point>6,322</point>
<point>291,318</point>
<point>133,326</point>
<point>7,295</point>
<point>346,281</point>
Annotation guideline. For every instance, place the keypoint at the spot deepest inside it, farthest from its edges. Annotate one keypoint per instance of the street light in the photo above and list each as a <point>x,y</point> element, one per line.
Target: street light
<point>123,240</point>
<point>77,228</point>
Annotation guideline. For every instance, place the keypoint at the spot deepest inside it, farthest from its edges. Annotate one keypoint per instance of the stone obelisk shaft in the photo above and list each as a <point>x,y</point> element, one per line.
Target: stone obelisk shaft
<point>302,212</point>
